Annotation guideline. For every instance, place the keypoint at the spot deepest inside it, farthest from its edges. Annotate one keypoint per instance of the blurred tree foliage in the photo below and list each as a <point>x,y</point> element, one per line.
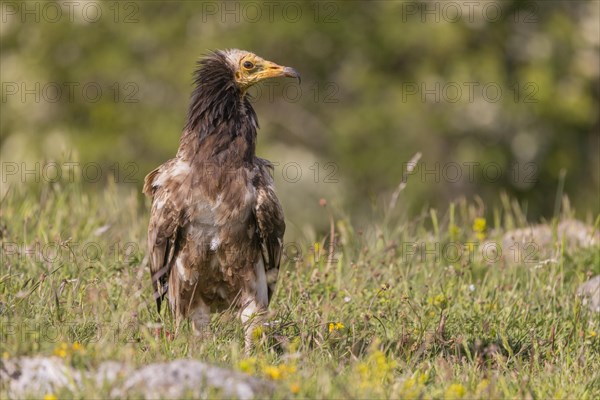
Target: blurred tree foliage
<point>480,88</point>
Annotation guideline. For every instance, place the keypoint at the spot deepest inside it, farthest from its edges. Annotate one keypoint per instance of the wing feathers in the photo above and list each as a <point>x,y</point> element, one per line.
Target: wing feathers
<point>165,219</point>
<point>270,223</point>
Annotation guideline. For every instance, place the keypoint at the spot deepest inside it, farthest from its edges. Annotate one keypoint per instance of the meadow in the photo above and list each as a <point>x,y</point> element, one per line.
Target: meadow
<point>428,293</point>
<point>375,315</point>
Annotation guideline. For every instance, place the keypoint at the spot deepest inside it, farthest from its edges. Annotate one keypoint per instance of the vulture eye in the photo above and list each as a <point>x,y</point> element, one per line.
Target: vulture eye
<point>248,65</point>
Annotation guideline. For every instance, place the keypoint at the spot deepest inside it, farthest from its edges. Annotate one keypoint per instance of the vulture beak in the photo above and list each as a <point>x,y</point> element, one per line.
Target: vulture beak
<point>272,70</point>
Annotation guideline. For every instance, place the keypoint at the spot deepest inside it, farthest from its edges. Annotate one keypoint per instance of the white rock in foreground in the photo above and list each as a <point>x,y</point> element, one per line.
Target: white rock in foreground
<point>38,376</point>
<point>182,378</point>
<point>590,292</point>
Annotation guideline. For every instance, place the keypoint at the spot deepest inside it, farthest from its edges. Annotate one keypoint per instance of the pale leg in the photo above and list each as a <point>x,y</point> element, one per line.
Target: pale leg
<point>200,317</point>
<point>252,316</point>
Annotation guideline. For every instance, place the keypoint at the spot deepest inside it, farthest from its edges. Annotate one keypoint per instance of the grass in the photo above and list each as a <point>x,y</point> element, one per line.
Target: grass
<point>379,319</point>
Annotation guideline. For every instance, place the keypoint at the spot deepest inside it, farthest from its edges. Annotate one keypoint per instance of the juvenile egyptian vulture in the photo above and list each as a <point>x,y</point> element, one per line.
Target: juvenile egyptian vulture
<point>216,227</point>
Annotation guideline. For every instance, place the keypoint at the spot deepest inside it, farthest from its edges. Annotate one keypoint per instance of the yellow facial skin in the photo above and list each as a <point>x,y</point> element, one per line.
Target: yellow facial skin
<point>253,69</point>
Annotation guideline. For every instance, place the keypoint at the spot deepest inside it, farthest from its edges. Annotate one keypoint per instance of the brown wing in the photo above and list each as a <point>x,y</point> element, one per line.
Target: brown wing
<point>270,222</point>
<point>167,217</point>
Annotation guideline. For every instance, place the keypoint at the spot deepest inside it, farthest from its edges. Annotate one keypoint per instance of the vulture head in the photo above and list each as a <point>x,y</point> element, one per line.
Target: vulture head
<point>249,69</point>
<point>222,79</point>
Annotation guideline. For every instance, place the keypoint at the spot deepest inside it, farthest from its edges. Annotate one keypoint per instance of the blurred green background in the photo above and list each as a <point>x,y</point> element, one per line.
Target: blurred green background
<point>497,96</point>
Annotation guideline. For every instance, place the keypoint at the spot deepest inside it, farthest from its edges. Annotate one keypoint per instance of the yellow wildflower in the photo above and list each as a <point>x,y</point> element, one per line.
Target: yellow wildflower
<point>77,347</point>
<point>335,326</point>
<point>413,387</point>
<point>294,345</point>
<point>248,365</point>
<point>439,300</point>
<point>257,333</point>
<point>272,372</point>
<point>409,383</point>
<point>287,369</point>
<point>375,369</point>
<point>454,231</point>
<point>482,386</point>
<point>380,359</point>
<point>295,388</point>
<point>5,355</point>
<point>50,396</point>
<point>61,351</point>
<point>479,227</point>
<point>410,390</point>
<point>455,391</point>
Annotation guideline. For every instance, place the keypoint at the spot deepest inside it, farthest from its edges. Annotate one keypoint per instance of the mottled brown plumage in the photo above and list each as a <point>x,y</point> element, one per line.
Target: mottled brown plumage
<point>216,227</point>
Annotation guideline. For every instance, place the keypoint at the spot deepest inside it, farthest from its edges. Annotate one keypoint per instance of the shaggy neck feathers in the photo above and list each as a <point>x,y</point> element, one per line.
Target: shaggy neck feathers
<point>219,114</point>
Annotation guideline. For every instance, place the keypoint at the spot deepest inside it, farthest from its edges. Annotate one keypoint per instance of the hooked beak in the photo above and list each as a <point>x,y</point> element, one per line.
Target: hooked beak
<point>292,73</point>
<point>272,70</point>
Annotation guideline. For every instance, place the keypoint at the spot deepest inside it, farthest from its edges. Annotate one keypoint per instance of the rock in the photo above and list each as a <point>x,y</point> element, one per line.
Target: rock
<point>182,378</point>
<point>111,371</point>
<point>590,292</point>
<point>38,376</point>
<point>538,242</point>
